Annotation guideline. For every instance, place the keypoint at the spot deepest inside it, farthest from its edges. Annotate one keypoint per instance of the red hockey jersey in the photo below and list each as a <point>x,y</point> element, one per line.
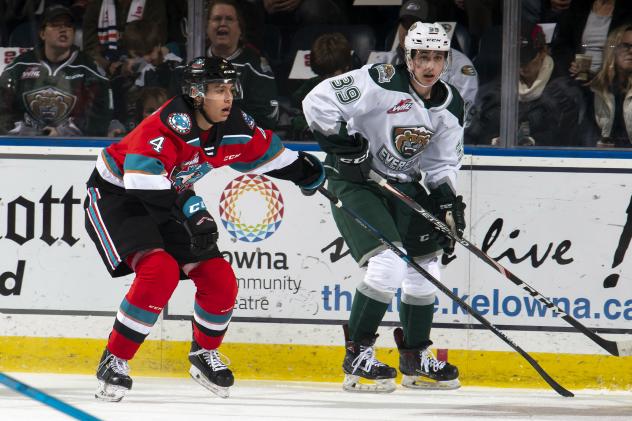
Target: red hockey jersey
<point>168,153</point>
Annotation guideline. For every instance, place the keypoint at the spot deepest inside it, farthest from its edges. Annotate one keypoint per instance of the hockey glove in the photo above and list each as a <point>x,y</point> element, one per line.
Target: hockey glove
<point>450,209</point>
<point>316,171</point>
<point>191,211</point>
<point>306,171</point>
<point>355,166</point>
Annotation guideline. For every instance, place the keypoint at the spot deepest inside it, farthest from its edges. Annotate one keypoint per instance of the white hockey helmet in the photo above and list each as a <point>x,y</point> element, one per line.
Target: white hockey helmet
<point>426,36</point>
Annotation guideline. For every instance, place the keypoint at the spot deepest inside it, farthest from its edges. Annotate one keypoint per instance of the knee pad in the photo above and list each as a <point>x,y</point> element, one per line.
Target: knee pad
<point>157,276</point>
<point>416,289</point>
<point>215,277</point>
<point>385,272</point>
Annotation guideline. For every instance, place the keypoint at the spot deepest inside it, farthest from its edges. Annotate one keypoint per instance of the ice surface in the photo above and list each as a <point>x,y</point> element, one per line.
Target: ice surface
<point>173,399</point>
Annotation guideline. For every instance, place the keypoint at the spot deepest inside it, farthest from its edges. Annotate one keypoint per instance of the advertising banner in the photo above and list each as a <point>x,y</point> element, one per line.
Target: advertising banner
<point>561,225</point>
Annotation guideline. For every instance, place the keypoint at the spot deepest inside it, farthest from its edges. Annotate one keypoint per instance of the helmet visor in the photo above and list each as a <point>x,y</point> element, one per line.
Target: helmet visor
<point>215,87</point>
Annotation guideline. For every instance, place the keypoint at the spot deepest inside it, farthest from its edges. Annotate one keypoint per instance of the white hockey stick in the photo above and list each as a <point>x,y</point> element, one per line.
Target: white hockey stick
<point>617,348</point>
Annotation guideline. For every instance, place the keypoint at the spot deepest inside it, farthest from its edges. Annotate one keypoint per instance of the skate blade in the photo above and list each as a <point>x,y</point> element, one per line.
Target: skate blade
<point>420,382</point>
<point>357,384</point>
<point>109,392</point>
<point>196,375</point>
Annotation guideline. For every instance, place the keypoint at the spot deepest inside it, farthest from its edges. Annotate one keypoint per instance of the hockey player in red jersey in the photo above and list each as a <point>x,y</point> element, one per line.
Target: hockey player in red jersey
<point>144,217</point>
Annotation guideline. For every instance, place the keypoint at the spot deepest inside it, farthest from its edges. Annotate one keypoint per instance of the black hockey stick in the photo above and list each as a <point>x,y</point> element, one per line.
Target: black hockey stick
<point>336,202</point>
<point>617,348</point>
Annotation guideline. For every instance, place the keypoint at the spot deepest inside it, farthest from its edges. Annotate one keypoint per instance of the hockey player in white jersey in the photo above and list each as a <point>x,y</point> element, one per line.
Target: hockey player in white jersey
<point>460,71</point>
<point>401,121</point>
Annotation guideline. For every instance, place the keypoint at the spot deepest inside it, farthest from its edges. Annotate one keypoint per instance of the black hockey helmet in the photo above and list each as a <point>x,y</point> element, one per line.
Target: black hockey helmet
<point>201,71</point>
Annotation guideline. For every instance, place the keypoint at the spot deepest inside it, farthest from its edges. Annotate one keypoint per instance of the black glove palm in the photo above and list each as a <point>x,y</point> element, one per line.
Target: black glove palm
<point>450,210</point>
<point>191,211</point>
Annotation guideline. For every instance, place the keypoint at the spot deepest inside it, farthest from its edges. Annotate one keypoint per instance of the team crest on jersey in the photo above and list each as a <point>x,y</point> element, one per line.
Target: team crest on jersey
<point>468,70</point>
<point>401,107</point>
<point>49,105</point>
<point>183,177</point>
<point>249,120</point>
<point>180,122</point>
<point>409,141</point>
<point>385,72</point>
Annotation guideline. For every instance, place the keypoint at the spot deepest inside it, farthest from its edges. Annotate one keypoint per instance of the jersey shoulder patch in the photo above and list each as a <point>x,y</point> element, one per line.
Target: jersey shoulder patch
<point>385,72</point>
<point>177,115</point>
<point>392,78</point>
<point>468,70</point>
<point>250,122</point>
<point>179,122</point>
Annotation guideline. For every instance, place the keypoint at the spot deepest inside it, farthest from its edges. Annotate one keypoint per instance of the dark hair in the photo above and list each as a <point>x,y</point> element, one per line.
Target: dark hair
<point>330,52</point>
<point>149,92</point>
<point>141,36</point>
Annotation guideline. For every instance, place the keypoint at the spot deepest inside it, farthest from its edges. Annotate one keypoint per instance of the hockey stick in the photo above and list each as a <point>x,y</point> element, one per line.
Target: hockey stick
<point>617,348</point>
<point>45,398</point>
<point>336,202</point>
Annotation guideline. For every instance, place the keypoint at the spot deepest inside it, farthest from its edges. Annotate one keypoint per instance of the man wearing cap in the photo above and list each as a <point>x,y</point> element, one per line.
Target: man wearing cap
<point>55,89</point>
<point>460,73</point>
<point>550,108</point>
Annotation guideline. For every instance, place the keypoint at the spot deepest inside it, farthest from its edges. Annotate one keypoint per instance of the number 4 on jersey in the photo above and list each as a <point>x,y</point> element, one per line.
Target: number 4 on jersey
<point>157,143</point>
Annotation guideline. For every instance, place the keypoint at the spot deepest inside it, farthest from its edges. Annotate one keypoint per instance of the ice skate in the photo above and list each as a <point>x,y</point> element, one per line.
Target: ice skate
<point>360,364</point>
<point>421,370</point>
<point>113,376</point>
<point>208,370</point>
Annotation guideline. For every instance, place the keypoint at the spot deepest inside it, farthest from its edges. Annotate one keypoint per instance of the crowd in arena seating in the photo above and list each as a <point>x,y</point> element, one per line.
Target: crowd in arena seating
<point>97,67</point>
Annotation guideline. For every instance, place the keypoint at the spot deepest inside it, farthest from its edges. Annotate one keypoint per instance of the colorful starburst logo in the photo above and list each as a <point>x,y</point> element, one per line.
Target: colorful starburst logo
<point>251,208</point>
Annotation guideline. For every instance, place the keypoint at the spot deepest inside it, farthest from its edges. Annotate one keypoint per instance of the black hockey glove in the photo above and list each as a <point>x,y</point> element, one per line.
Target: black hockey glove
<point>356,165</point>
<point>316,174</point>
<point>191,211</point>
<point>450,209</point>
<point>306,171</point>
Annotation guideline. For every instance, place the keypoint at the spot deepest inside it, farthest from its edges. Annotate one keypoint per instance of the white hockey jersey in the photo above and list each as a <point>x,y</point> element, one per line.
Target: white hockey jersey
<point>408,136</point>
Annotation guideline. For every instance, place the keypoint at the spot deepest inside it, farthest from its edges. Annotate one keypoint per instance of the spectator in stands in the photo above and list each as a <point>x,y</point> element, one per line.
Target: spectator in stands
<point>54,90</point>
<point>550,108</point>
<point>147,63</point>
<point>330,56</point>
<point>149,100</point>
<point>612,90</point>
<point>460,73</point>
<point>225,31</point>
<point>105,20</point>
<point>20,20</point>
<point>583,29</point>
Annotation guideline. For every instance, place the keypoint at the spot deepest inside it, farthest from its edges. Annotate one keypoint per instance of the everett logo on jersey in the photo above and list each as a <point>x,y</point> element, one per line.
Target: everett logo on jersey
<point>49,105</point>
<point>385,72</point>
<point>409,141</point>
<point>401,107</point>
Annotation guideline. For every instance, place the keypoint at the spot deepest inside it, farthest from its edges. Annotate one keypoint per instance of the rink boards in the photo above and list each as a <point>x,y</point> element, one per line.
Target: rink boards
<point>553,218</point>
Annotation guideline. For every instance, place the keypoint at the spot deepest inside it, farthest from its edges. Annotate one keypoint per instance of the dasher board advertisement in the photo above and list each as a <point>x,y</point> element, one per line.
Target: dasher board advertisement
<point>557,223</point>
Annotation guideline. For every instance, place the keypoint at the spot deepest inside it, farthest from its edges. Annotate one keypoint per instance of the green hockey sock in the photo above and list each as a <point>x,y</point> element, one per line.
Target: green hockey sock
<point>366,316</point>
<point>416,322</point>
